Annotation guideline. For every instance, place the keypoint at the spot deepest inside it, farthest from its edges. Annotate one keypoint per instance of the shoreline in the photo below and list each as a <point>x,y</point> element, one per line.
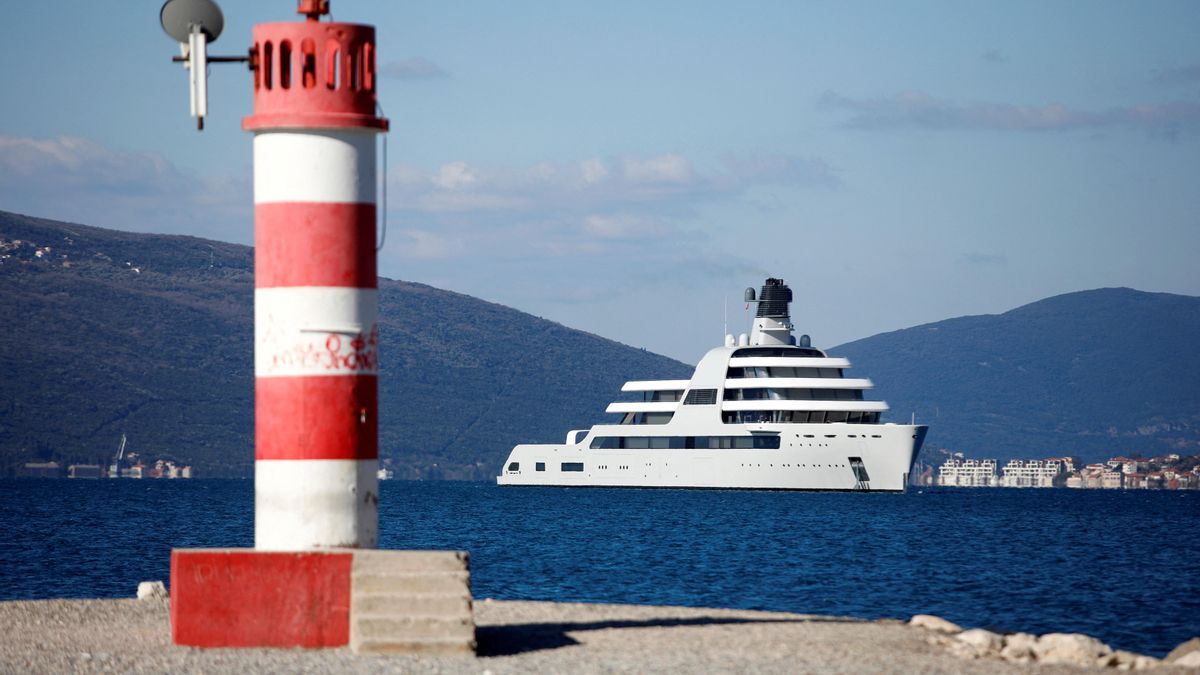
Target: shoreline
<point>43,636</point>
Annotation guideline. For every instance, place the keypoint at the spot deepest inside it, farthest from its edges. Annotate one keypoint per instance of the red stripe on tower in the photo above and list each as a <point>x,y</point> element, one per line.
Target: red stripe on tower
<point>315,302</point>
<point>336,241</point>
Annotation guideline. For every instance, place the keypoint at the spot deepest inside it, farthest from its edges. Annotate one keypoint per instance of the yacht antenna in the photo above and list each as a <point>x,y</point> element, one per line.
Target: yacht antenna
<point>725,316</point>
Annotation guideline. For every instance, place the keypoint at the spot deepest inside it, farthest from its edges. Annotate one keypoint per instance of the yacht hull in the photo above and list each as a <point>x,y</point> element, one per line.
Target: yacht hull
<point>810,457</point>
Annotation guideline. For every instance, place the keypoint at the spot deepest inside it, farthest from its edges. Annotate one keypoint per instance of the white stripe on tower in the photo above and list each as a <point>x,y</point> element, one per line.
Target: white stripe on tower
<point>294,166</point>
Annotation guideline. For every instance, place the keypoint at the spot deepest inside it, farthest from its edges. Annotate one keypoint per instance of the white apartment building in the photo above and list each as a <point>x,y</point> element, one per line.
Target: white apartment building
<point>1034,473</point>
<point>968,473</point>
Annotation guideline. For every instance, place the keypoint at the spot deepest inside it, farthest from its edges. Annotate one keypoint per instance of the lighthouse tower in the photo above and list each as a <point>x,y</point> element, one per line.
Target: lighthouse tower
<point>316,360</point>
<point>314,577</point>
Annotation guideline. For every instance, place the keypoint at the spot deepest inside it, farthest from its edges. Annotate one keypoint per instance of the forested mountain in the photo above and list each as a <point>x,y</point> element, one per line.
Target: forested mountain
<point>1095,373</point>
<point>110,332</point>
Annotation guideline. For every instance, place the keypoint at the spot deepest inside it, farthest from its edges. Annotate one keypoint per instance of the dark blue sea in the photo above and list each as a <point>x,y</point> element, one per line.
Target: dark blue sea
<point>1121,565</point>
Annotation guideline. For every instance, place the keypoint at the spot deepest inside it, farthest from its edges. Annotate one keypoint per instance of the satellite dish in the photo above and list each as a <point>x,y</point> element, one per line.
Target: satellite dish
<point>179,18</point>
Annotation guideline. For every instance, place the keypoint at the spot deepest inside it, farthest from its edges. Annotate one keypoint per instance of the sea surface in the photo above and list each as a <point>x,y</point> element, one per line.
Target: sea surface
<point>1123,566</point>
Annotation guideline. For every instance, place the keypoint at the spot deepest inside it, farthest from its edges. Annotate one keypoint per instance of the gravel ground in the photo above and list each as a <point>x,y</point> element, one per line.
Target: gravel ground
<point>60,636</point>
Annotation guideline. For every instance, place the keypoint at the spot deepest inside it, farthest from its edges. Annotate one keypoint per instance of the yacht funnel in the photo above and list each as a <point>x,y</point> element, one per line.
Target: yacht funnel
<point>774,299</point>
<point>772,322</point>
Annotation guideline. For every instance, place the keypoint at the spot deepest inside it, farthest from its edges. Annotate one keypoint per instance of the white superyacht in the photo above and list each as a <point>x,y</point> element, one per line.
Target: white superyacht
<point>765,411</point>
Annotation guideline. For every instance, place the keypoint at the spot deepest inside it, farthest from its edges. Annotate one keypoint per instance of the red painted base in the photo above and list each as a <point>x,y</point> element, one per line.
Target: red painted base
<point>248,598</point>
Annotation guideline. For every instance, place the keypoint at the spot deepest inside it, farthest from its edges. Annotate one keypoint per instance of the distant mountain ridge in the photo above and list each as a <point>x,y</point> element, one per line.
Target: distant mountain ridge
<point>1095,373</point>
<point>109,332</point>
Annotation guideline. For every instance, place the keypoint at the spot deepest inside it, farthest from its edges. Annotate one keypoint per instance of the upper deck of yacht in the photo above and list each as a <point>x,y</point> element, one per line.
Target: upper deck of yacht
<point>766,376</point>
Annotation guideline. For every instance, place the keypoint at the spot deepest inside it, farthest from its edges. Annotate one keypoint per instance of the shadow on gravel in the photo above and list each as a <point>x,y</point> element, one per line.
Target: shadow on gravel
<point>532,637</point>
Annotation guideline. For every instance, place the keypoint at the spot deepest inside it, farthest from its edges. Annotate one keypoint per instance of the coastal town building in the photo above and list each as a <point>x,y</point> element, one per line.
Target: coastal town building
<point>968,473</point>
<point>1033,473</point>
<point>40,470</point>
<point>1166,472</point>
<point>162,468</point>
<point>84,471</point>
<point>1068,463</point>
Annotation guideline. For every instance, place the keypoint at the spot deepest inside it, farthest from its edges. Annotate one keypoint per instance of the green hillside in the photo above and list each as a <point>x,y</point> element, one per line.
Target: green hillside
<point>1095,373</point>
<point>110,332</point>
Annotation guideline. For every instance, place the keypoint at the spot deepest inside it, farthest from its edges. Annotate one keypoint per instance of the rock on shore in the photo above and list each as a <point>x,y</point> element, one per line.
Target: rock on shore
<point>1072,649</point>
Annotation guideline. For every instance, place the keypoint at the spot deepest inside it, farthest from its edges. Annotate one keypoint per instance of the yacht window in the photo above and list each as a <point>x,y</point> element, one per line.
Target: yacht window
<point>514,466</point>
<point>799,417</point>
<point>648,418</point>
<point>701,397</point>
<point>540,466</point>
<point>687,442</point>
<point>572,466</point>
<point>778,351</point>
<point>761,394</point>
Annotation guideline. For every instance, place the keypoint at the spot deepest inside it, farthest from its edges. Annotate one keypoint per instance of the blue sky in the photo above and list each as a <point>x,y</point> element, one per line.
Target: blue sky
<point>624,167</point>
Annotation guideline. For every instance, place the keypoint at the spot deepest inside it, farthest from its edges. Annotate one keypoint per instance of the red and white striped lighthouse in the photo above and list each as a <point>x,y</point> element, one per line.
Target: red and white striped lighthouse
<point>316,369</point>
<point>316,360</point>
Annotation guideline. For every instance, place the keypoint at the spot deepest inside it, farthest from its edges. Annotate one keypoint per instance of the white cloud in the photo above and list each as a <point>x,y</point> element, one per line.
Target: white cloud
<point>582,221</point>
<point>592,209</point>
<point>994,56</point>
<point>593,170</point>
<point>626,227</point>
<point>920,110</point>
<point>665,182</point>
<point>424,244</point>
<point>75,179</point>
<point>415,68</point>
<point>980,258</point>
<point>1185,75</point>
<point>454,176</point>
<point>672,169</point>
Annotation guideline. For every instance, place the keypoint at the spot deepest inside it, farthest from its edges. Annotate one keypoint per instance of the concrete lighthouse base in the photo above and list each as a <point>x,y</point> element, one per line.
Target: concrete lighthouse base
<point>371,600</point>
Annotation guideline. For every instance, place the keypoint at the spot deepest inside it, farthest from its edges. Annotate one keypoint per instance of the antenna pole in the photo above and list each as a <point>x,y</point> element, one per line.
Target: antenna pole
<point>198,65</point>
